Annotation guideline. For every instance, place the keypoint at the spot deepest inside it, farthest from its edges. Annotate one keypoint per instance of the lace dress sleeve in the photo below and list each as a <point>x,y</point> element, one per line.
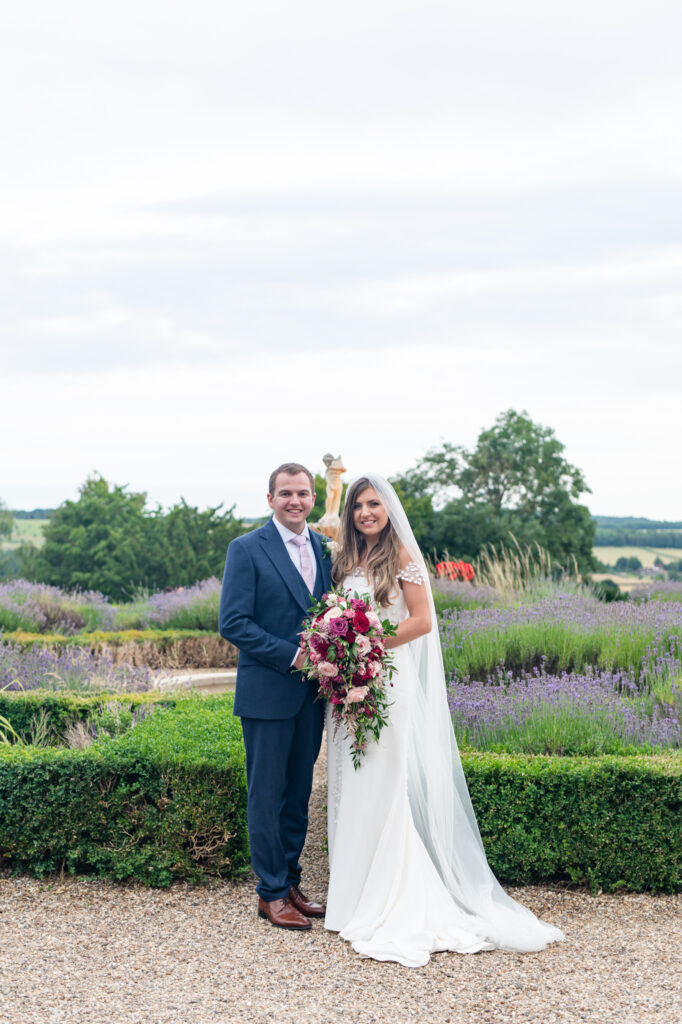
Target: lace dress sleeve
<point>412,573</point>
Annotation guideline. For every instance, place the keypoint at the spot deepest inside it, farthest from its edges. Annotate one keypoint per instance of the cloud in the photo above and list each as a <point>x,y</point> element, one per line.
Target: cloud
<point>228,231</point>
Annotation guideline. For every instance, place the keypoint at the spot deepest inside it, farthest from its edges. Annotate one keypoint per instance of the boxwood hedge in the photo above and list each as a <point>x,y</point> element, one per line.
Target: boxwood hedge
<point>167,800</point>
<point>607,822</point>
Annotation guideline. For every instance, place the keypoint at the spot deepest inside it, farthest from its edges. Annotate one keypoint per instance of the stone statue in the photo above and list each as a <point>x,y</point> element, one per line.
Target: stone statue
<point>330,521</point>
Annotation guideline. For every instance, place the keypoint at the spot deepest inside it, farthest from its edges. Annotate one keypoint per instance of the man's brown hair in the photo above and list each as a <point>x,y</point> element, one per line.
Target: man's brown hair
<point>292,468</point>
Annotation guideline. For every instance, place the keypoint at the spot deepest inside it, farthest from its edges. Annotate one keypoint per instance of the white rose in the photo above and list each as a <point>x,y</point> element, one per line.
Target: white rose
<point>333,613</point>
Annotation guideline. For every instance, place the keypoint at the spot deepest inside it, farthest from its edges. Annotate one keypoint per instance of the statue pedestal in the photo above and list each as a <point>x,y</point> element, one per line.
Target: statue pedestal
<point>329,525</point>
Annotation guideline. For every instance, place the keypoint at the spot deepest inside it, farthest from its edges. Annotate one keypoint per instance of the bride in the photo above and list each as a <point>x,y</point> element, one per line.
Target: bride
<point>408,872</point>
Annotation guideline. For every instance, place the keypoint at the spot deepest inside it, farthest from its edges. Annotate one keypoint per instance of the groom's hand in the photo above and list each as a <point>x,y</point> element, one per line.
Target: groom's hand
<point>300,659</point>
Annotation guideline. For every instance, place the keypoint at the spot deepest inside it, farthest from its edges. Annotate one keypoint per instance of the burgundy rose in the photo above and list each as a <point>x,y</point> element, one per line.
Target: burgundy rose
<point>319,645</point>
<point>361,622</point>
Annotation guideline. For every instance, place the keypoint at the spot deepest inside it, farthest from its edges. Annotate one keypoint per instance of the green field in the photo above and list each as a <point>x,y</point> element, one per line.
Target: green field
<point>25,531</point>
<point>647,556</point>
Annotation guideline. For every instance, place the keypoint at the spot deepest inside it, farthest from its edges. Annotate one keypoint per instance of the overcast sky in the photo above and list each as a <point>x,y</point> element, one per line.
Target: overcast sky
<point>233,234</point>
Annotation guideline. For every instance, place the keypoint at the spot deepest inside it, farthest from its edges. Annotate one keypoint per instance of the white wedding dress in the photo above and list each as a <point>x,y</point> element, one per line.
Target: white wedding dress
<point>386,894</point>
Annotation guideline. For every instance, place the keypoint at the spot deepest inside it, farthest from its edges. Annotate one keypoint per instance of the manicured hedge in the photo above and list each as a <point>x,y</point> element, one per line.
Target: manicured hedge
<point>165,801</point>
<point>20,708</point>
<point>157,648</point>
<point>606,822</point>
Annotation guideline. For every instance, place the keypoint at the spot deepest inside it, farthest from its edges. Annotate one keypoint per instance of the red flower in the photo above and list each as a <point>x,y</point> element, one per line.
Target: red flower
<point>361,622</point>
<point>455,570</point>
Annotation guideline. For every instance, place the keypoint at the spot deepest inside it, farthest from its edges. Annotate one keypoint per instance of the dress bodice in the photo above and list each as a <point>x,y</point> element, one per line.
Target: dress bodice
<point>396,611</point>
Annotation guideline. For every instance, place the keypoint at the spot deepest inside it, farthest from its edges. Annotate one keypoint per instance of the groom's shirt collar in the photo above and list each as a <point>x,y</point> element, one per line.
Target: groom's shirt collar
<point>293,550</point>
<point>286,534</point>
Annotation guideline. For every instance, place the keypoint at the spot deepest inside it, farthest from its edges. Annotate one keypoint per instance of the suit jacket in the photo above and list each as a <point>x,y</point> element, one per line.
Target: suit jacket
<point>262,607</point>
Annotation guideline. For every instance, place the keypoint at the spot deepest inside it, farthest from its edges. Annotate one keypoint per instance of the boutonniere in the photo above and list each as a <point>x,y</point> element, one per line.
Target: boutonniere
<point>329,547</point>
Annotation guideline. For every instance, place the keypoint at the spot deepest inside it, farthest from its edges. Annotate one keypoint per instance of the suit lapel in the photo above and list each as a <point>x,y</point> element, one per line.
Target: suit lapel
<point>321,585</point>
<point>275,549</point>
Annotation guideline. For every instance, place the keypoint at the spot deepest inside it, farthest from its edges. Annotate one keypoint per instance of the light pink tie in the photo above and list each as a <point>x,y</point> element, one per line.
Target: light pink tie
<point>307,571</point>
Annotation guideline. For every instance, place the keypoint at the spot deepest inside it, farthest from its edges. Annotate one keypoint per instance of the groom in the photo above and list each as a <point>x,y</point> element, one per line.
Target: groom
<point>269,577</point>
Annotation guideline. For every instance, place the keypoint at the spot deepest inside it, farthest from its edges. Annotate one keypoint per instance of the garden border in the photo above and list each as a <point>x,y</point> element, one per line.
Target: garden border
<point>167,801</point>
<point>153,648</point>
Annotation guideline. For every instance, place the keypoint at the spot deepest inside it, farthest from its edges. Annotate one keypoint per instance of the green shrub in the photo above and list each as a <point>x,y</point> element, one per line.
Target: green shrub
<point>62,708</point>
<point>606,822</point>
<point>166,800</point>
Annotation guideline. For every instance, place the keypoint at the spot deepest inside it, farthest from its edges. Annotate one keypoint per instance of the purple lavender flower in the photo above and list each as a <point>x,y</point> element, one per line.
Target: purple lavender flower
<point>588,712</point>
<point>39,608</point>
<point>71,668</point>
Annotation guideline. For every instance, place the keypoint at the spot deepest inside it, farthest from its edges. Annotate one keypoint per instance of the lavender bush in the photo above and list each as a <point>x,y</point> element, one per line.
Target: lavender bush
<point>38,608</point>
<point>193,607</point>
<point>657,590</point>
<point>449,594</point>
<point>74,668</point>
<point>569,632</point>
<point>588,713</point>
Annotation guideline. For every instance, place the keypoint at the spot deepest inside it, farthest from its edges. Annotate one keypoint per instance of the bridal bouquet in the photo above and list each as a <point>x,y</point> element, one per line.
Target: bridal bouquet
<point>343,640</point>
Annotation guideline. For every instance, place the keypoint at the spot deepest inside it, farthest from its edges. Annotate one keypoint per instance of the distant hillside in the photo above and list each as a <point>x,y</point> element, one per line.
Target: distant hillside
<point>618,531</point>
<point>635,523</point>
<point>35,513</point>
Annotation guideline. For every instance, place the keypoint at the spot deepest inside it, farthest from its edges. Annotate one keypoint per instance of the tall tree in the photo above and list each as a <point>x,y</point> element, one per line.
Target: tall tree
<point>515,481</point>
<point>99,542</point>
<point>107,540</point>
<point>191,544</point>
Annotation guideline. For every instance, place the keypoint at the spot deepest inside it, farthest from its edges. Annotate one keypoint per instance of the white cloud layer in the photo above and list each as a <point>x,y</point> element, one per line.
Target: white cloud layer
<point>234,234</point>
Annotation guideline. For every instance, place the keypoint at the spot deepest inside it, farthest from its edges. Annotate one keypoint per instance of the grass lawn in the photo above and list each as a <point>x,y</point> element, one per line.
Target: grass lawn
<point>647,556</point>
<point>25,531</point>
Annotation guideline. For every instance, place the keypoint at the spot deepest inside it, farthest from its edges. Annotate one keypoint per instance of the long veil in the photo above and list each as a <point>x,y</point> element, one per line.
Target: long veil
<point>439,798</point>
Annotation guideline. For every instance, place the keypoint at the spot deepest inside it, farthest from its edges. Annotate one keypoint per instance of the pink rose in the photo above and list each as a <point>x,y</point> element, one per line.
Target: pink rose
<point>338,626</point>
<point>356,694</point>
<point>374,620</point>
<point>333,613</point>
<point>374,669</point>
<point>362,644</point>
<point>325,668</point>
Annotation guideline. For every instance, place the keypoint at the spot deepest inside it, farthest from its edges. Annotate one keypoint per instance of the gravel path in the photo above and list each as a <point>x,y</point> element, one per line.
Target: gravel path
<point>90,952</point>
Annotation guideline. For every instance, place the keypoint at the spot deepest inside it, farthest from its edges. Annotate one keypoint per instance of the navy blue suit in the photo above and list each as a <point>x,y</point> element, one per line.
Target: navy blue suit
<point>263,603</point>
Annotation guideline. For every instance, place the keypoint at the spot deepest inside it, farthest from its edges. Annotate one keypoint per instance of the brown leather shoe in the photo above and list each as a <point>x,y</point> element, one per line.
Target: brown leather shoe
<point>306,906</point>
<point>283,914</point>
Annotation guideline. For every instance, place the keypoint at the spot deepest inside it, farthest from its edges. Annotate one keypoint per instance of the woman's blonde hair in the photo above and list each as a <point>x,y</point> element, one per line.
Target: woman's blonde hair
<point>383,563</point>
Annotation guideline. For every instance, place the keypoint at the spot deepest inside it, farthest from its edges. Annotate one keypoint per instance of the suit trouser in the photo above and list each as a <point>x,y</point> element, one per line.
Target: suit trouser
<point>280,757</point>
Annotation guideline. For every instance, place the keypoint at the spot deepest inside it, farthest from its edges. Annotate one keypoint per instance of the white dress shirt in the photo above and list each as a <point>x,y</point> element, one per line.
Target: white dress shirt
<point>294,551</point>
